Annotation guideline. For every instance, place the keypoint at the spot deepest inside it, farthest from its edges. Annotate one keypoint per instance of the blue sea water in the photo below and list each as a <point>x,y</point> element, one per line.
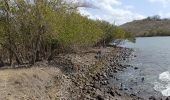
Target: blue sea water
<point>153,63</point>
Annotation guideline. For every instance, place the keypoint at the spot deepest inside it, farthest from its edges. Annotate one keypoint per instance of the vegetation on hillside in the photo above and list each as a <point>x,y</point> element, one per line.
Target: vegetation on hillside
<point>37,30</point>
<point>151,26</point>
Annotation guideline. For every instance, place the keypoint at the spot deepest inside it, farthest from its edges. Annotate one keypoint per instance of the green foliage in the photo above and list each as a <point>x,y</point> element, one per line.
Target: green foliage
<point>79,30</point>
<point>112,33</point>
<point>33,31</point>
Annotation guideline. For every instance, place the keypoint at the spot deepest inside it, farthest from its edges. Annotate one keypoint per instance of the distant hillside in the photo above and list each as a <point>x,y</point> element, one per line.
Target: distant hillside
<point>151,26</point>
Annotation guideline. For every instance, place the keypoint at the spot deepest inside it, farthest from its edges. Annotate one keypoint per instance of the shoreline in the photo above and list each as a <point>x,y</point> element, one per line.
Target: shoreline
<point>91,81</point>
<point>81,76</point>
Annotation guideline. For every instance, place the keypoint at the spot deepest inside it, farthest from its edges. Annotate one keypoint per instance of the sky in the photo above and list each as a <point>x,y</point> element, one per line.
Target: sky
<point>121,11</point>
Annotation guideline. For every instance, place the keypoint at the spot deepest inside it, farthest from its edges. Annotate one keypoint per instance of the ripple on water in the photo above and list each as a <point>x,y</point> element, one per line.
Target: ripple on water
<point>152,58</point>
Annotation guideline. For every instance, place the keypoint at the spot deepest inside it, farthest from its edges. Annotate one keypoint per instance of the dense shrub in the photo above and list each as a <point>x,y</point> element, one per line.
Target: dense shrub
<point>32,31</point>
<point>113,33</point>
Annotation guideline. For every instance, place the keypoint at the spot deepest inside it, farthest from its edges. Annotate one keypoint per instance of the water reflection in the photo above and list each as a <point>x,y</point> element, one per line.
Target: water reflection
<point>153,61</point>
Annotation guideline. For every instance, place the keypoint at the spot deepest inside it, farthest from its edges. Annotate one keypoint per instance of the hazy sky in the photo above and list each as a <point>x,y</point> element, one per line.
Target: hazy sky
<point>122,11</point>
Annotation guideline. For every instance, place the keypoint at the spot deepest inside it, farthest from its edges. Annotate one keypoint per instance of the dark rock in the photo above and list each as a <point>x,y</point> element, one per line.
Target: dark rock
<point>160,99</point>
<point>114,71</point>
<point>111,76</point>
<point>136,68</point>
<point>121,85</point>
<point>167,98</point>
<point>98,55</point>
<point>88,92</point>
<point>1,62</point>
<point>111,93</point>
<point>118,93</point>
<point>9,93</point>
<point>133,95</point>
<point>142,79</point>
<point>136,83</point>
<point>116,79</point>
<point>99,97</point>
<point>152,98</point>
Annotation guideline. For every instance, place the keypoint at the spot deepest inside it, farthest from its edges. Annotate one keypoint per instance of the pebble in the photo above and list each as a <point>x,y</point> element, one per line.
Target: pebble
<point>115,71</point>
<point>112,93</point>
<point>132,95</point>
<point>167,98</point>
<point>143,79</point>
<point>111,76</point>
<point>136,68</point>
<point>152,98</point>
<point>99,97</point>
<point>118,93</point>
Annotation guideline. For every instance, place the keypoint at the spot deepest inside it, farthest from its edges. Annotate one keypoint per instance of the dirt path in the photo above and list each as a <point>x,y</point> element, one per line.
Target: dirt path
<point>33,84</point>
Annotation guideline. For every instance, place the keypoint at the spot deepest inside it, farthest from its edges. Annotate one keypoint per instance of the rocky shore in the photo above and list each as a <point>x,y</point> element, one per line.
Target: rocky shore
<point>91,72</point>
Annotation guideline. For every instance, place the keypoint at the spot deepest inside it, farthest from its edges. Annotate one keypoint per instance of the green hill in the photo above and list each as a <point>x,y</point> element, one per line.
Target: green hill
<point>151,26</point>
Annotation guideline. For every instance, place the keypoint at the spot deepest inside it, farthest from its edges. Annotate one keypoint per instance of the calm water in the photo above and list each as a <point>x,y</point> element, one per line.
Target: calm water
<point>153,62</point>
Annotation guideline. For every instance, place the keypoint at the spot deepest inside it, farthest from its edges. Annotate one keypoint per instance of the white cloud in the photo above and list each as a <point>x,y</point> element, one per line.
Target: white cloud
<point>164,15</point>
<point>129,7</point>
<point>165,3</point>
<point>112,11</point>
